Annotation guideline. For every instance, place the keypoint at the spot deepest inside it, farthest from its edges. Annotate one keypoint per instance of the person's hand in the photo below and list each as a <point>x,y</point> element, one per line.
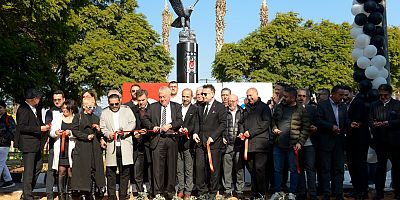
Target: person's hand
<point>103,144</point>
<point>166,127</point>
<point>335,129</point>
<point>96,126</point>
<point>196,138</point>
<point>156,129</point>
<point>246,134</point>
<point>224,140</point>
<point>354,125</point>
<point>297,147</point>
<point>59,132</point>
<point>143,131</point>
<point>137,134</point>
<point>90,137</point>
<point>44,128</point>
<point>313,129</point>
<point>277,131</point>
<point>385,123</point>
<point>68,132</point>
<point>111,136</point>
<point>210,140</point>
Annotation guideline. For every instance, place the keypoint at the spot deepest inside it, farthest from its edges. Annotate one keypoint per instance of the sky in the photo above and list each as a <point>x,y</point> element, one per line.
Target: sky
<point>242,18</point>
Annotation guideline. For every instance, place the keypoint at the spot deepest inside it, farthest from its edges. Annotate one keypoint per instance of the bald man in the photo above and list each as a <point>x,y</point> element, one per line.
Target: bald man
<point>233,165</point>
<point>256,127</point>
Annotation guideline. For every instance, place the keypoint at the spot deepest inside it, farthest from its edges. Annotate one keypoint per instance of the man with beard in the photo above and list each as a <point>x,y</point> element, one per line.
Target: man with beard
<point>256,126</point>
<point>115,122</point>
<point>173,86</point>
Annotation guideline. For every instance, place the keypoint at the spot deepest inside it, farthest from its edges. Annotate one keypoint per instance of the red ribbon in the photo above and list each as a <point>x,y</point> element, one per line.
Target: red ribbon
<point>63,141</point>
<point>210,157</point>
<point>296,152</point>
<point>246,145</point>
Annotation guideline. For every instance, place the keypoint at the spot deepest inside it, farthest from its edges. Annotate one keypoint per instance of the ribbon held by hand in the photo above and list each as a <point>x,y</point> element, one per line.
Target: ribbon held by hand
<point>63,141</point>
<point>296,152</point>
<point>210,162</point>
<point>246,145</point>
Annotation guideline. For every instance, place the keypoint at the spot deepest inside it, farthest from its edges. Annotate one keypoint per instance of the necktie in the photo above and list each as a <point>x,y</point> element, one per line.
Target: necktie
<point>164,116</point>
<point>205,112</point>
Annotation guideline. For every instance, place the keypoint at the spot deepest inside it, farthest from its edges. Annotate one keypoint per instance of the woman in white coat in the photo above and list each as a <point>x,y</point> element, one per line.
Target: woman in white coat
<point>63,127</point>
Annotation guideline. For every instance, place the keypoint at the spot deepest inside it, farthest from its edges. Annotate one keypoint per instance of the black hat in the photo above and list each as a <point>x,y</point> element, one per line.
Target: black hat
<point>32,93</point>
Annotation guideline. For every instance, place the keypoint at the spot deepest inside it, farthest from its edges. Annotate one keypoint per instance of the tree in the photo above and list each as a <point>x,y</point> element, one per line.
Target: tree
<point>303,54</point>
<point>117,46</point>
<point>220,12</point>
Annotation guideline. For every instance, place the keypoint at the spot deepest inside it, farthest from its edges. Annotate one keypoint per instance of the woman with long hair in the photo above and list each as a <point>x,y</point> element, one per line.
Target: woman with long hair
<point>89,168</point>
<point>63,128</point>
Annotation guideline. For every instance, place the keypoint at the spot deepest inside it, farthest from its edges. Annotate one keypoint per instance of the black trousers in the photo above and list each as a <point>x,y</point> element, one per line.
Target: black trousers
<point>137,170</point>
<point>123,177</point>
<point>50,176</point>
<point>383,153</point>
<point>165,156</point>
<point>358,167</point>
<point>332,160</point>
<point>202,170</point>
<point>32,166</point>
<point>257,165</point>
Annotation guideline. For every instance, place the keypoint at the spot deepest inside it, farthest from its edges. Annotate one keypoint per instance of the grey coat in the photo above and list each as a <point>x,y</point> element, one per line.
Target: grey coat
<point>127,122</point>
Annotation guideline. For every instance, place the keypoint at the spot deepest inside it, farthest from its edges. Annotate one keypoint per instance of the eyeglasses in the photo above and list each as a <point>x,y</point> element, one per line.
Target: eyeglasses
<point>55,100</point>
<point>113,104</point>
<point>133,91</point>
<point>204,94</point>
<point>91,107</point>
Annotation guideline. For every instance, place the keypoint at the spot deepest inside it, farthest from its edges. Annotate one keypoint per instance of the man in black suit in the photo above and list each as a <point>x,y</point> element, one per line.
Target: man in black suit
<point>212,118</point>
<point>256,125</point>
<point>29,134</point>
<point>384,120</point>
<point>185,146</point>
<point>165,119</point>
<point>333,123</point>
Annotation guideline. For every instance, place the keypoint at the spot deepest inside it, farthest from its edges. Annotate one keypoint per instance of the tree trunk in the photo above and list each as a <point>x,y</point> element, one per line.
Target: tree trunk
<point>166,26</point>
<point>220,12</point>
<point>264,14</point>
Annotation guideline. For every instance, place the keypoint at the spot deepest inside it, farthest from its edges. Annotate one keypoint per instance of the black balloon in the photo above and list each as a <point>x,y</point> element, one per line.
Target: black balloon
<point>370,6</point>
<point>380,52</point>
<point>360,19</point>
<point>380,8</point>
<point>379,31</point>
<point>359,75</point>
<point>373,95</point>
<point>361,1</point>
<point>377,41</point>
<point>364,86</point>
<point>375,18</point>
<point>369,29</point>
<point>378,1</point>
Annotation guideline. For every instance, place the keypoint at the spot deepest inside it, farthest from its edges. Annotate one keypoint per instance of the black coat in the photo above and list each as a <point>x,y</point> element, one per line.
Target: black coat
<point>312,114</point>
<point>391,113</point>
<point>152,118</point>
<point>87,154</point>
<point>28,135</point>
<point>358,111</point>
<point>257,121</point>
<point>213,125</point>
<point>325,121</point>
<point>191,122</point>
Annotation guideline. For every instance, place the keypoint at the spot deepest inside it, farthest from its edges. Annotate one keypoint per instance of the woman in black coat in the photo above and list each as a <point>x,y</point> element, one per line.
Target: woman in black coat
<point>88,166</point>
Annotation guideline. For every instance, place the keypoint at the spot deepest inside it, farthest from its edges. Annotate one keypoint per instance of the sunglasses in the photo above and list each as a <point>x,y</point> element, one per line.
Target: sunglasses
<point>91,107</point>
<point>204,94</point>
<point>113,104</point>
<point>133,91</point>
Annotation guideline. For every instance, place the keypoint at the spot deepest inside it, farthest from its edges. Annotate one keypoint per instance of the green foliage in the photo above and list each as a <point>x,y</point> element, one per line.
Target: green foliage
<point>118,45</point>
<point>313,55</point>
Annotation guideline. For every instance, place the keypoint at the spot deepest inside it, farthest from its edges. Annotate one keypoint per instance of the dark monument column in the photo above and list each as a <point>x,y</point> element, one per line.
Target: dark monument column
<point>187,58</point>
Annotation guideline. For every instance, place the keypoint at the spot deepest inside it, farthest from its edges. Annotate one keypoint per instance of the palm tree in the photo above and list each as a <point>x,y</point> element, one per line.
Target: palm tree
<point>166,26</point>
<point>264,14</point>
<point>220,12</point>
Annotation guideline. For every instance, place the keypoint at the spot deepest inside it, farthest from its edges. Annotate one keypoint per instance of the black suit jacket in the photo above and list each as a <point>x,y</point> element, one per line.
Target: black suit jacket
<point>28,135</point>
<point>358,111</point>
<point>152,118</point>
<point>191,122</point>
<point>325,120</point>
<point>213,125</point>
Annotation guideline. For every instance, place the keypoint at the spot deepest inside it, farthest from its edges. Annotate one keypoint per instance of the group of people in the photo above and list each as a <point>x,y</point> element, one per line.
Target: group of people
<point>203,146</point>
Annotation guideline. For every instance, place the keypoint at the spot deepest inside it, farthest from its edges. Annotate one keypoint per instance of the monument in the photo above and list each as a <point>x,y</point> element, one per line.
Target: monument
<point>187,48</point>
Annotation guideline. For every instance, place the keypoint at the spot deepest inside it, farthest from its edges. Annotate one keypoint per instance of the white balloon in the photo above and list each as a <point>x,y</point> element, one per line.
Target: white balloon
<point>362,40</point>
<point>357,9</point>
<point>370,51</point>
<point>355,25</point>
<point>355,32</point>
<point>378,61</point>
<point>372,72</point>
<point>357,53</point>
<point>384,73</point>
<point>355,2</point>
<point>363,62</point>
<point>377,82</point>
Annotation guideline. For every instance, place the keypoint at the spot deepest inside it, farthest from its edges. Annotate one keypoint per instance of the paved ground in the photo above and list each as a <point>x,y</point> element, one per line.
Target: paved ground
<point>14,193</point>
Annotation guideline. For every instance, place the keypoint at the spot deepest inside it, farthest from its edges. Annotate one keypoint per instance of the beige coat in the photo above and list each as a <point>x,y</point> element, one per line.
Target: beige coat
<point>127,122</point>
